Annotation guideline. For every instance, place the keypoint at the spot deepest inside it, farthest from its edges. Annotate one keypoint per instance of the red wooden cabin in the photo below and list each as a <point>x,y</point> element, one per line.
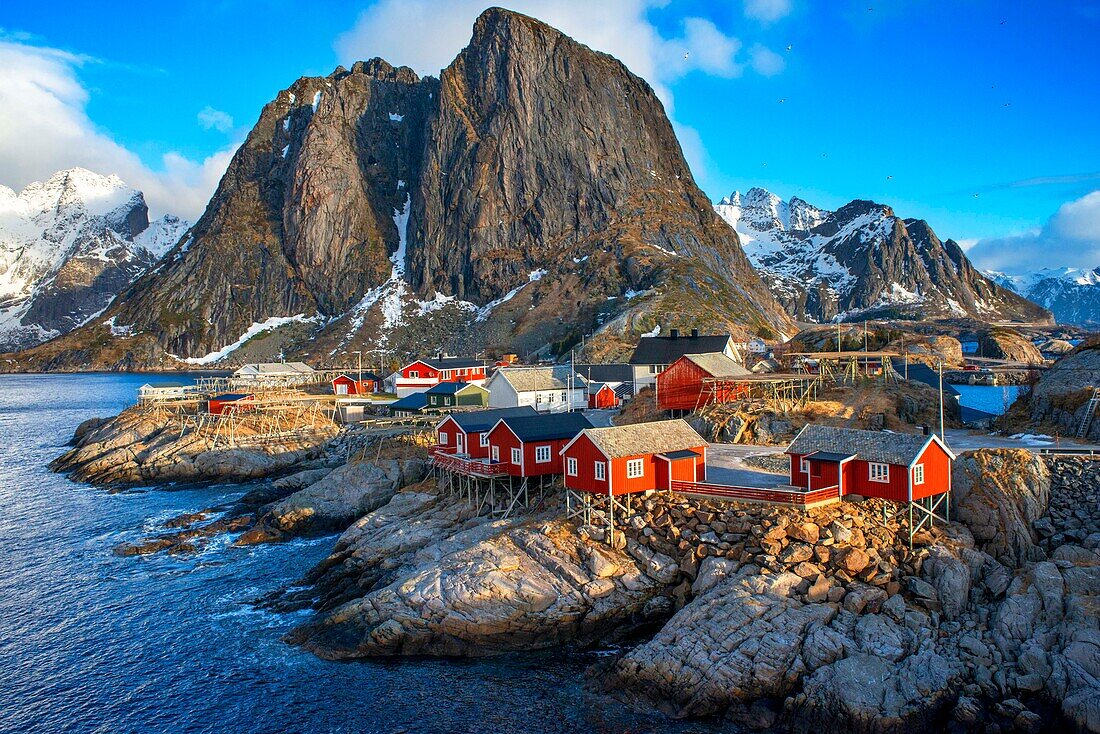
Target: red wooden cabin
<point>530,446</point>
<point>468,433</point>
<point>221,404</point>
<point>344,385</point>
<point>900,467</point>
<point>635,458</point>
<point>601,395</point>
<point>422,374</point>
<point>683,385</point>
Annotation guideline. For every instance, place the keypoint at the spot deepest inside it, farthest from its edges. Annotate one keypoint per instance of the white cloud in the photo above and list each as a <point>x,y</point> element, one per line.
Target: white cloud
<point>1070,238</point>
<point>767,11</point>
<point>766,62</point>
<point>44,128</point>
<point>212,119</point>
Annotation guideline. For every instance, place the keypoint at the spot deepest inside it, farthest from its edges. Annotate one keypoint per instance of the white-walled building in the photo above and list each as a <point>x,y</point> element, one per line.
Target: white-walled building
<point>546,389</point>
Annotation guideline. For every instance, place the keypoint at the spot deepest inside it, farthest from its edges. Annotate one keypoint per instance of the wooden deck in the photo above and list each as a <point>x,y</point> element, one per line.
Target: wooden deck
<point>776,496</point>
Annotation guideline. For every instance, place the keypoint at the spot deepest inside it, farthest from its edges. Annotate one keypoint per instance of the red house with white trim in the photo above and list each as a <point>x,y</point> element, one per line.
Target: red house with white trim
<point>635,458</point>
<point>468,433</point>
<point>344,385</point>
<point>900,467</point>
<point>530,446</point>
<point>602,395</point>
<point>422,374</point>
<point>683,386</point>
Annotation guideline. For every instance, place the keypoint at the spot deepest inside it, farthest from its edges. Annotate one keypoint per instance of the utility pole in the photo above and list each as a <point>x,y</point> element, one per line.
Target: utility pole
<point>940,364</point>
<point>359,383</point>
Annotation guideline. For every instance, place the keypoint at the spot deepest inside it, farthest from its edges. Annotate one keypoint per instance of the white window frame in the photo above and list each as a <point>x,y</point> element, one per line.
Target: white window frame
<point>542,451</point>
<point>571,466</point>
<point>517,456</point>
<point>414,374</point>
<point>341,389</point>
<point>804,465</point>
<point>483,439</point>
<point>444,437</point>
<point>599,469</point>
<point>918,474</point>
<point>435,400</point>
<point>635,468</point>
<point>878,471</point>
<point>496,454</point>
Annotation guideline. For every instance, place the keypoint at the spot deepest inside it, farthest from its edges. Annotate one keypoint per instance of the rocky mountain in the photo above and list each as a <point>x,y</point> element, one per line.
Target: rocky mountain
<point>68,246</point>
<point>863,261</point>
<point>1071,294</point>
<point>532,194</point>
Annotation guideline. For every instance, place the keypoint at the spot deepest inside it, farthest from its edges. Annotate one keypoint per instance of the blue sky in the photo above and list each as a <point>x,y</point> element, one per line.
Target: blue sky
<point>919,105</point>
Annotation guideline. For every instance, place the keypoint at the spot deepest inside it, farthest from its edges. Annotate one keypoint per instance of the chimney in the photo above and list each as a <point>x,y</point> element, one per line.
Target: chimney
<point>675,333</point>
<point>694,333</point>
<point>924,430</point>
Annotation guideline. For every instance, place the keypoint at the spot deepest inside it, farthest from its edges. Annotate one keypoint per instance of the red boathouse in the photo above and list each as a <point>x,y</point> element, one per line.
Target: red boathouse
<point>344,385</point>
<point>683,386</point>
<point>229,402</point>
<point>602,395</point>
<point>468,433</point>
<point>899,467</point>
<point>530,446</point>
<point>640,457</point>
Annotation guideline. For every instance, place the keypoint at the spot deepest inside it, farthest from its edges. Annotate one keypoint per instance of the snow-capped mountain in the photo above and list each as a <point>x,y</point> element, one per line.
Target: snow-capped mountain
<point>862,261</point>
<point>68,246</point>
<point>1072,294</point>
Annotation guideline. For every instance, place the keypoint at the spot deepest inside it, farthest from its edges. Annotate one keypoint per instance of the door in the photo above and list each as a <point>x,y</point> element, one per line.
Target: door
<point>460,442</point>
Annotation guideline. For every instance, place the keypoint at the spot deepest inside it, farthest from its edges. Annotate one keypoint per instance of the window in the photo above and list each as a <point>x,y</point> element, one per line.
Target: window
<point>413,374</point>
<point>635,468</point>
<point>652,369</point>
<point>517,457</point>
<point>341,389</point>
<point>496,454</point>
<point>877,472</point>
<point>444,438</point>
<point>571,466</point>
<point>918,474</point>
<point>563,396</point>
<point>600,468</point>
<point>435,400</point>
<point>805,466</point>
<point>483,439</point>
<point>542,454</point>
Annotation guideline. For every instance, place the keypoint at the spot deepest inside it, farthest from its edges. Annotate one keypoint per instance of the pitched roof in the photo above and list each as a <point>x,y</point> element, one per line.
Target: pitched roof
<point>275,368</point>
<point>547,426</point>
<point>413,401</point>
<point>450,388</point>
<point>879,446</point>
<point>453,363</point>
<point>668,349</point>
<point>621,372</point>
<point>717,364</point>
<point>532,379</point>
<point>657,437</point>
<point>232,397</point>
<point>478,421</point>
<point>595,387</point>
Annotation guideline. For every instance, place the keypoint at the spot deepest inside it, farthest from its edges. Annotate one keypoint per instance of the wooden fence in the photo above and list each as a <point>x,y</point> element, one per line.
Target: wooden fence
<point>795,497</point>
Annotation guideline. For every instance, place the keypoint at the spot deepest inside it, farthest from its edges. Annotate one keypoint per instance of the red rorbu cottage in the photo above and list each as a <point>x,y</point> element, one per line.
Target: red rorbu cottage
<point>900,467</point>
<point>623,460</point>
<point>530,446</point>
<point>344,385</point>
<point>468,433</point>
<point>695,380</point>
<point>422,374</point>
<point>602,395</point>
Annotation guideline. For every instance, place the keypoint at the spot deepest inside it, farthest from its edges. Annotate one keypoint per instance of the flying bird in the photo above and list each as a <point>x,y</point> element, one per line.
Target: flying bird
<point>888,178</point>
<point>782,100</point>
<point>686,54</point>
<point>790,46</point>
<point>975,196</point>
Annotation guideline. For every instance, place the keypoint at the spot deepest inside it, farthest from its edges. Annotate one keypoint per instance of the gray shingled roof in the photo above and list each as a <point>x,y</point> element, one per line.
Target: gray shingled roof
<point>530,379</point>
<point>717,364</point>
<point>668,349</point>
<point>889,448</point>
<point>658,437</point>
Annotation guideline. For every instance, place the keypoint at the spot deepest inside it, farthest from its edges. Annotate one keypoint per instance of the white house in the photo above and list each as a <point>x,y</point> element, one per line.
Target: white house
<point>546,389</point>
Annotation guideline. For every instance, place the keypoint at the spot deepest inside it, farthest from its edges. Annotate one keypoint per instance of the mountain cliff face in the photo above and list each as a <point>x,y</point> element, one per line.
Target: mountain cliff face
<point>532,194</point>
<point>68,246</point>
<point>1071,294</point>
<point>862,261</point>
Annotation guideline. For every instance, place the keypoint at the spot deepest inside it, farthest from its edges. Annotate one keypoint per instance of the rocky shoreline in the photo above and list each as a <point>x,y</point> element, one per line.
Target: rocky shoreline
<point>765,617</point>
